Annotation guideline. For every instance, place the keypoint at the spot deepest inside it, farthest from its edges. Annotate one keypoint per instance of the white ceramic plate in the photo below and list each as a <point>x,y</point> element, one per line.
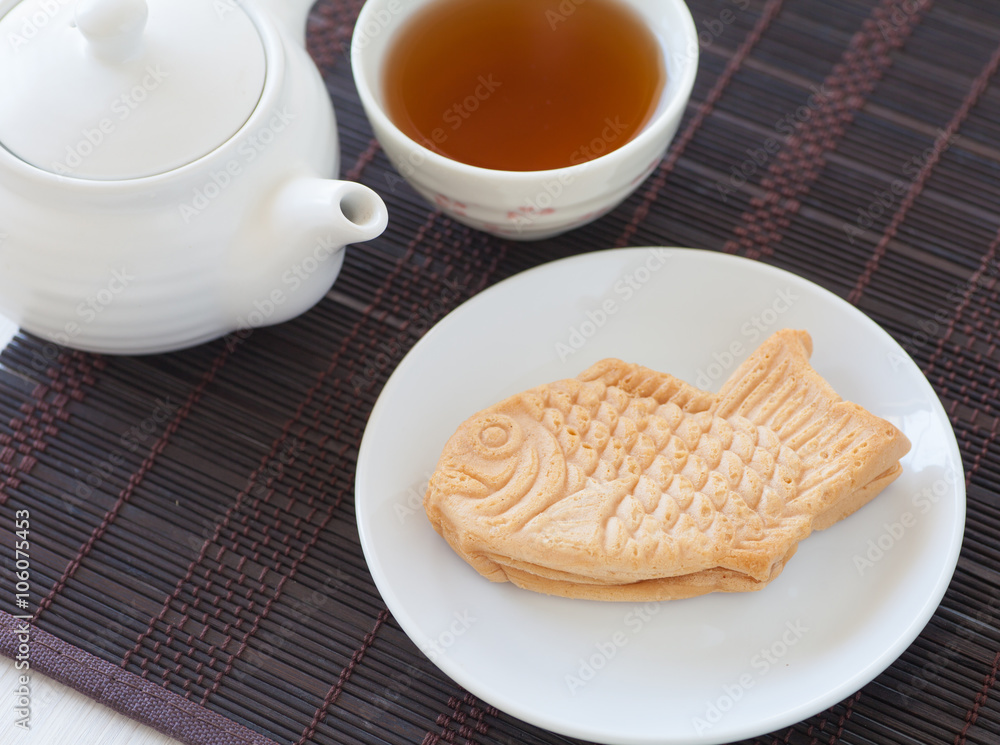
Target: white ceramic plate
<point>706,670</point>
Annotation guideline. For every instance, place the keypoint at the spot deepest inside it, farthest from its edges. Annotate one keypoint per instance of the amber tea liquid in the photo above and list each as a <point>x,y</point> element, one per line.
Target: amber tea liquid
<point>523,85</point>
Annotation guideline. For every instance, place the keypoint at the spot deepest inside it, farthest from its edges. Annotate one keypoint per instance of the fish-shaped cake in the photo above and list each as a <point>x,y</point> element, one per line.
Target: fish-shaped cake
<point>629,484</point>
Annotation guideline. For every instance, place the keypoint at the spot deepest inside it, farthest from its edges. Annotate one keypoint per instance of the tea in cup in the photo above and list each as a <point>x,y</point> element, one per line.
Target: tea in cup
<point>524,118</point>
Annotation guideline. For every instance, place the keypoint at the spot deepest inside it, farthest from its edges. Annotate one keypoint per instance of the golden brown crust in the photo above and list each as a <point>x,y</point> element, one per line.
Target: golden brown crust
<point>626,483</point>
<point>667,588</point>
<point>848,506</point>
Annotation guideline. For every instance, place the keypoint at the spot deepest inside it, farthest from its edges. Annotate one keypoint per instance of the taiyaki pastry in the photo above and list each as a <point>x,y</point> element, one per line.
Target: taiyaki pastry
<point>629,484</point>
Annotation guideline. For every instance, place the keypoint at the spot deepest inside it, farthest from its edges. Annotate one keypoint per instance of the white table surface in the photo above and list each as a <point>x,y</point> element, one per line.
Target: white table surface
<point>7,330</point>
<point>61,716</point>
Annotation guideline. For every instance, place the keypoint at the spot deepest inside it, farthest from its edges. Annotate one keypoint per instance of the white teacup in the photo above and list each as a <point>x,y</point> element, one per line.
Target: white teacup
<point>527,205</point>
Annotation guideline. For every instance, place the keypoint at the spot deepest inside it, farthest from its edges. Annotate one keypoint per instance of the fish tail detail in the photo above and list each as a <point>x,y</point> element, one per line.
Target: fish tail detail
<point>781,360</point>
<point>847,454</point>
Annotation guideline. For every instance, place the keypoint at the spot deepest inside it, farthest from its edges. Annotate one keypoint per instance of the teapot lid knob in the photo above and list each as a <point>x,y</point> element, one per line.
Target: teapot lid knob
<point>113,28</point>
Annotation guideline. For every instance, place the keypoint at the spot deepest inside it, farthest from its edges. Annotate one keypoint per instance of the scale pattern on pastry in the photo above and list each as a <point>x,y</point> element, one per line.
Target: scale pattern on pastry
<point>630,484</point>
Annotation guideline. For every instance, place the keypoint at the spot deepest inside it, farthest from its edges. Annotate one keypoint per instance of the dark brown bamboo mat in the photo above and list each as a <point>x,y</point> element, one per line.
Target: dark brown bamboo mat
<point>195,561</point>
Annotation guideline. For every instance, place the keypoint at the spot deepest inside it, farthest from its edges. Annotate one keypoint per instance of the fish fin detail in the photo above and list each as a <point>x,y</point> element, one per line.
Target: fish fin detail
<point>844,450</point>
<point>639,381</point>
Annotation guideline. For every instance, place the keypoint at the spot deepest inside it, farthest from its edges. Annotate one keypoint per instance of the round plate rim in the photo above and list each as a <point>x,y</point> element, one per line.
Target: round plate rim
<point>789,717</point>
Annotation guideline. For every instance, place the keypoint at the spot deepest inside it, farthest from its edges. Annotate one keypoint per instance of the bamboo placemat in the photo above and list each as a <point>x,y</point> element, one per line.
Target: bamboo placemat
<point>195,561</point>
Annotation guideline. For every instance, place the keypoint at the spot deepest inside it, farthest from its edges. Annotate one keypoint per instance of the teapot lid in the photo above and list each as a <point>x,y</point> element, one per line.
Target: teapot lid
<point>122,89</point>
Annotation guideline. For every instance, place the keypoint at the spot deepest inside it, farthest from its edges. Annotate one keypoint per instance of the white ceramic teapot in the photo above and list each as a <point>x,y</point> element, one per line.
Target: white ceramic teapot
<point>164,171</point>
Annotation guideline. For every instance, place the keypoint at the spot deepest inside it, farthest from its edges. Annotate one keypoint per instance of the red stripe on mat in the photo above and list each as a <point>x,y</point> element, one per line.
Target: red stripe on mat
<point>173,628</point>
<point>331,25</point>
<point>986,406</point>
<point>981,697</point>
<point>768,15</point>
<point>364,160</point>
<point>237,504</point>
<point>799,163</point>
<point>111,515</point>
<point>988,440</point>
<point>124,692</point>
<point>835,737</point>
<point>265,611</point>
<point>345,675</point>
<point>978,88</point>
<point>466,719</point>
<point>974,283</point>
<point>41,416</point>
<point>318,527</point>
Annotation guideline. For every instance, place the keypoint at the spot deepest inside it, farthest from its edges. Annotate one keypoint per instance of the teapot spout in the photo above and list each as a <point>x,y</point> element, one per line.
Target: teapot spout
<point>339,212</point>
<point>291,15</point>
<point>297,247</point>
